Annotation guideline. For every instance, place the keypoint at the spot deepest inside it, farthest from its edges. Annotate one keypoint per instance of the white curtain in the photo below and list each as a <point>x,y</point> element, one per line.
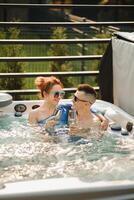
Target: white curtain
<point>123,73</point>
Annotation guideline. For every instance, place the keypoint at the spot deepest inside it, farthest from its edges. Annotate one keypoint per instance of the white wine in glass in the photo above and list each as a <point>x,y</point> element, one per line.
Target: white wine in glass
<point>72,116</point>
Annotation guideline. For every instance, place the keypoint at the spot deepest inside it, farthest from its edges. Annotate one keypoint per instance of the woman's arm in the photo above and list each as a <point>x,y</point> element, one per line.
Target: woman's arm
<point>32,118</point>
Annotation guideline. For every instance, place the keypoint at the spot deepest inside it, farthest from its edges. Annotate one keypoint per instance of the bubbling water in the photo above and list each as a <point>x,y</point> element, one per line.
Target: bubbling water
<point>25,155</point>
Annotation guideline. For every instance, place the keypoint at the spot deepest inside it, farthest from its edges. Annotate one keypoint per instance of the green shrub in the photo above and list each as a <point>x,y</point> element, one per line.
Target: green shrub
<point>11,67</point>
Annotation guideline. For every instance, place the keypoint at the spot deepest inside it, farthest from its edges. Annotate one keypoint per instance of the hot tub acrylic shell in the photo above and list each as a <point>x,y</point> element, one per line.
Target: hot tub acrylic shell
<point>67,188</point>
<point>112,112</point>
<point>70,188</point>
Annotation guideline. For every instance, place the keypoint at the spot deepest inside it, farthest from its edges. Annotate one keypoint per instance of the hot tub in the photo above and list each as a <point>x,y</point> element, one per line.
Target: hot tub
<point>34,169</point>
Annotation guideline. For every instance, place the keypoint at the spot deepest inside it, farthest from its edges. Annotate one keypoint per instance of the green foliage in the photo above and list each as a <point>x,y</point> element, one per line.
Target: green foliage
<point>11,67</point>
<point>60,50</point>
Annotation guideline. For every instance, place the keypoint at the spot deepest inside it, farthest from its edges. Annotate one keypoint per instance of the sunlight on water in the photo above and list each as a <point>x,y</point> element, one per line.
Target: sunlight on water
<point>25,155</point>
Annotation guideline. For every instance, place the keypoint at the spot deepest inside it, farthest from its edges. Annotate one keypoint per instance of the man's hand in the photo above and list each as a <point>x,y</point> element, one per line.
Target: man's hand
<point>74,129</point>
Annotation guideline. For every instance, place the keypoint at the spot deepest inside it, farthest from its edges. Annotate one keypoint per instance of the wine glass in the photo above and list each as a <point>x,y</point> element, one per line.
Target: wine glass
<point>72,117</point>
<point>55,117</point>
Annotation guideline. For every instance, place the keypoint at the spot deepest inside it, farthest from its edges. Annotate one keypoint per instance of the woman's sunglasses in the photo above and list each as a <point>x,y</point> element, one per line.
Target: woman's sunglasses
<point>58,93</point>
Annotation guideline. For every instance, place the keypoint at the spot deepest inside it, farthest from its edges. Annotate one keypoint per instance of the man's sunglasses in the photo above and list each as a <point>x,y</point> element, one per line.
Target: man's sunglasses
<point>58,93</point>
<point>77,99</point>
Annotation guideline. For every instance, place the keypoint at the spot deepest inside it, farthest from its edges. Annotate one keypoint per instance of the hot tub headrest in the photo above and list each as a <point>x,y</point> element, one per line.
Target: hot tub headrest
<point>5,99</point>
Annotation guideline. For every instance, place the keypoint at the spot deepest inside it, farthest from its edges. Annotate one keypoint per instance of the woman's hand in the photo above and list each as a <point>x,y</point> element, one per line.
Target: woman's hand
<point>49,124</point>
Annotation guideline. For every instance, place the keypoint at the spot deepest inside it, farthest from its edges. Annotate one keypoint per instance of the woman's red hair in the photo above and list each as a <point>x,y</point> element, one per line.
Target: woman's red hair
<point>46,83</point>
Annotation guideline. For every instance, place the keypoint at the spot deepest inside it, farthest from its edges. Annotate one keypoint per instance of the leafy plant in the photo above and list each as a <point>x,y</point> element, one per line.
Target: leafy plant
<point>60,50</point>
<point>11,67</point>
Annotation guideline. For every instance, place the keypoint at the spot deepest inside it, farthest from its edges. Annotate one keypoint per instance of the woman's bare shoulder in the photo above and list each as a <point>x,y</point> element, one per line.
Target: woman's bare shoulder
<point>34,112</point>
<point>33,115</point>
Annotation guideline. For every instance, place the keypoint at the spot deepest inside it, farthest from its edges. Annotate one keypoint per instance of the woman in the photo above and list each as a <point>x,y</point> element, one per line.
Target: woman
<point>83,99</point>
<point>51,90</point>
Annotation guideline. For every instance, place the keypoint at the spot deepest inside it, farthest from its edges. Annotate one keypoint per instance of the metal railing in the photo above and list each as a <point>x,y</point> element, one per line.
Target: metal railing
<point>59,74</point>
<point>50,58</point>
<point>66,24</point>
<point>50,41</point>
<point>65,5</point>
<point>60,41</point>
